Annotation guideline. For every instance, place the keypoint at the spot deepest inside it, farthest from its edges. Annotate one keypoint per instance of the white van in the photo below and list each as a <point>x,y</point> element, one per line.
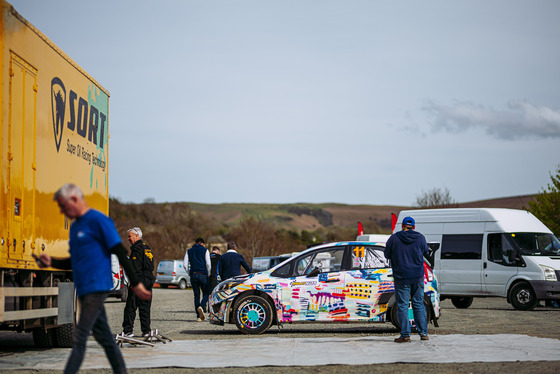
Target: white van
<point>491,252</point>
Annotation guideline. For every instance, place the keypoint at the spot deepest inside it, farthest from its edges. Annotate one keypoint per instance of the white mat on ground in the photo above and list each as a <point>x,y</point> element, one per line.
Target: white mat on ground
<point>304,352</point>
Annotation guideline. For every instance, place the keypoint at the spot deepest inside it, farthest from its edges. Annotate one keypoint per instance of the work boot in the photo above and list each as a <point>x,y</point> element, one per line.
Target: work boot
<point>402,339</point>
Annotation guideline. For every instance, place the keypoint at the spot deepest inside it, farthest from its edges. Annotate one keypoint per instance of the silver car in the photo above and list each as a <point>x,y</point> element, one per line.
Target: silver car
<point>172,272</point>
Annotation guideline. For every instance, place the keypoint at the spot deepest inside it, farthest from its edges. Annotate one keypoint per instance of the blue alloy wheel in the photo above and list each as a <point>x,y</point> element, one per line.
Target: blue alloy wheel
<point>252,314</point>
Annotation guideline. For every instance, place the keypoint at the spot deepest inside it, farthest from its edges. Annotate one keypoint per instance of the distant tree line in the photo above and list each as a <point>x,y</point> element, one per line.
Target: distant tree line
<point>171,228</point>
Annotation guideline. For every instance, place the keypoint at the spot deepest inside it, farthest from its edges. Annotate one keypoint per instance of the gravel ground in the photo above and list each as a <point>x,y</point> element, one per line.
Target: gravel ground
<point>173,314</point>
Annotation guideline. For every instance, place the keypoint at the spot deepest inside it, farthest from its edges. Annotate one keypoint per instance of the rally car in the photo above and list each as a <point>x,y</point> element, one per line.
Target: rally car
<point>332,282</point>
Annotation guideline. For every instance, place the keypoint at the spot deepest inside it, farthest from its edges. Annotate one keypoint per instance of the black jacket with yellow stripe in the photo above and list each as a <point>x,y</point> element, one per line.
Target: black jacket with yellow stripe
<point>142,261</point>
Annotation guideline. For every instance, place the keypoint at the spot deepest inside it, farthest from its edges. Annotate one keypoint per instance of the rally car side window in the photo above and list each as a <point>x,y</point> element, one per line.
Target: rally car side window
<point>368,257</point>
<point>325,260</point>
<point>284,271</point>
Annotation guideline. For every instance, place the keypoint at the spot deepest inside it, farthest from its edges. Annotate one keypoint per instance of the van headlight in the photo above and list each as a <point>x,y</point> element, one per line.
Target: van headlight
<point>549,273</point>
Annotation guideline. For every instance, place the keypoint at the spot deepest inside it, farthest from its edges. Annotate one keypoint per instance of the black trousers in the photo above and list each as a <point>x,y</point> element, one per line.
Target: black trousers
<point>213,282</point>
<point>144,306</point>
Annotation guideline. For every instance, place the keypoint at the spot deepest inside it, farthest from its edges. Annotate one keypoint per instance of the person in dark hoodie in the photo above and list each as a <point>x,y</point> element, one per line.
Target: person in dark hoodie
<point>406,250</point>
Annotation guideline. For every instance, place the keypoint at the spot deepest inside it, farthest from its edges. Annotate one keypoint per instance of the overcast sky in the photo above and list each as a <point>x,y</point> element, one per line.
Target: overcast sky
<point>358,102</point>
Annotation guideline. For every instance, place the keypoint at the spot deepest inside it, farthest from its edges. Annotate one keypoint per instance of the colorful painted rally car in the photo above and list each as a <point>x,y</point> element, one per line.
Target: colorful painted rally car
<point>334,282</point>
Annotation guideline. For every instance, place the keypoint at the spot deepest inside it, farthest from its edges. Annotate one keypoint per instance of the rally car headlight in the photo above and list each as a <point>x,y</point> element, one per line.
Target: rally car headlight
<point>549,273</point>
<point>229,284</point>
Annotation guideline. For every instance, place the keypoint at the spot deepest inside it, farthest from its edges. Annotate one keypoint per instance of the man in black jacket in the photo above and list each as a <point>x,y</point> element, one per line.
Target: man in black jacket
<point>214,260</point>
<point>142,261</point>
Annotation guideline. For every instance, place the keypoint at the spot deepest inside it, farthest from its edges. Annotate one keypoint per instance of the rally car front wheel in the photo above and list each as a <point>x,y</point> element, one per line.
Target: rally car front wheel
<point>252,314</point>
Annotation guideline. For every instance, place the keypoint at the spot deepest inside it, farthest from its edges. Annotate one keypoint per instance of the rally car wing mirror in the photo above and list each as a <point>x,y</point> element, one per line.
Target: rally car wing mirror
<point>433,247</point>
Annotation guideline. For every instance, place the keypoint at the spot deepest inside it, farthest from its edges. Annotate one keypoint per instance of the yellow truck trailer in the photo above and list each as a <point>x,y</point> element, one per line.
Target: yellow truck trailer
<point>54,130</point>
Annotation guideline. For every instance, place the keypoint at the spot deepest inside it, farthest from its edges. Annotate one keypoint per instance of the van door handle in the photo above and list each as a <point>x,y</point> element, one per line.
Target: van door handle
<point>485,265</point>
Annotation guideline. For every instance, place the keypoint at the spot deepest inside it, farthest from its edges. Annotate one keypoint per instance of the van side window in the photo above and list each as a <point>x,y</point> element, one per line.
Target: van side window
<point>500,250</point>
<point>461,247</point>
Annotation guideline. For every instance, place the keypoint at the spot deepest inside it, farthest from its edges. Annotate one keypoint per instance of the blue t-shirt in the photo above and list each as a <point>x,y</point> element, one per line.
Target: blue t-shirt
<point>91,238</point>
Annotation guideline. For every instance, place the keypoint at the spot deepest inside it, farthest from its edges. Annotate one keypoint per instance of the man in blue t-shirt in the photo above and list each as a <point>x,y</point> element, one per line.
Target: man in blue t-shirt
<point>406,250</point>
<point>93,238</point>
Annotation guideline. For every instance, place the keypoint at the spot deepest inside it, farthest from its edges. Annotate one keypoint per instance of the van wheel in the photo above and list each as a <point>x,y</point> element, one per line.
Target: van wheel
<point>522,296</point>
<point>183,284</point>
<point>252,315</point>
<point>462,302</point>
<point>395,317</point>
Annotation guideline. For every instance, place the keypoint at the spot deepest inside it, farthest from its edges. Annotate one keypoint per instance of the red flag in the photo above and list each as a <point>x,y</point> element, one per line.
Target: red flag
<point>393,221</point>
<point>360,229</point>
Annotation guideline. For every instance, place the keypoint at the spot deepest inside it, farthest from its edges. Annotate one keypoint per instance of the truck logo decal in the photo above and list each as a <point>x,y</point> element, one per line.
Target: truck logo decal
<point>58,104</point>
<point>85,119</point>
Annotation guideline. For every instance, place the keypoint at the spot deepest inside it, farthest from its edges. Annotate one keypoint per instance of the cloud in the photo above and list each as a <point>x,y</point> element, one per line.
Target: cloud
<point>522,120</point>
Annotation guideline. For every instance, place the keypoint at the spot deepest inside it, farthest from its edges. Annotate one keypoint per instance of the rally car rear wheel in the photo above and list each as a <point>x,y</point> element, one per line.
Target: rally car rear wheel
<point>252,314</point>
<point>395,318</point>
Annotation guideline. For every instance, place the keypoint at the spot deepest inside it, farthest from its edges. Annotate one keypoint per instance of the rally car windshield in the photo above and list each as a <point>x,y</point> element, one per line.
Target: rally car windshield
<point>536,244</point>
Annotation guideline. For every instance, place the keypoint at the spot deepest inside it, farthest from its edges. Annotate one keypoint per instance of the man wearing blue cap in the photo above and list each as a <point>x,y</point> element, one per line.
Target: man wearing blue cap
<point>406,250</point>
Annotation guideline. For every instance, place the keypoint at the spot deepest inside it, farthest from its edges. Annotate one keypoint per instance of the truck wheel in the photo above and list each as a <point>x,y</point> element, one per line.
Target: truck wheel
<point>63,335</point>
<point>252,315</point>
<point>462,302</point>
<point>124,294</point>
<point>183,284</point>
<point>43,338</point>
<point>395,317</point>
<point>522,296</point>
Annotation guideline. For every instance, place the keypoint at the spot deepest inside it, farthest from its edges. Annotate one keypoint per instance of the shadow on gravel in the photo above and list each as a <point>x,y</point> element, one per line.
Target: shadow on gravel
<point>287,331</point>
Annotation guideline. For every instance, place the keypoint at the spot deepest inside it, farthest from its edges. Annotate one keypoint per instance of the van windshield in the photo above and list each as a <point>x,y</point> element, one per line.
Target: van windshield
<point>536,244</point>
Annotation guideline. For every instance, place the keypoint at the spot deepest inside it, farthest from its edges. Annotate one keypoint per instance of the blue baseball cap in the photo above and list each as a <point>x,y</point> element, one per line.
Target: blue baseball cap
<point>409,221</point>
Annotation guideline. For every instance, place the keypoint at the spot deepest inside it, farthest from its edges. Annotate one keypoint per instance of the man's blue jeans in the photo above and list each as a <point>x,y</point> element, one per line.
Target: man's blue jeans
<point>415,293</point>
<point>200,283</point>
<point>94,319</point>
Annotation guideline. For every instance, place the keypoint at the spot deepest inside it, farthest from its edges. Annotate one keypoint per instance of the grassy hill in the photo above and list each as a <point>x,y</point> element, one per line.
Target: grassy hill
<point>304,216</point>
